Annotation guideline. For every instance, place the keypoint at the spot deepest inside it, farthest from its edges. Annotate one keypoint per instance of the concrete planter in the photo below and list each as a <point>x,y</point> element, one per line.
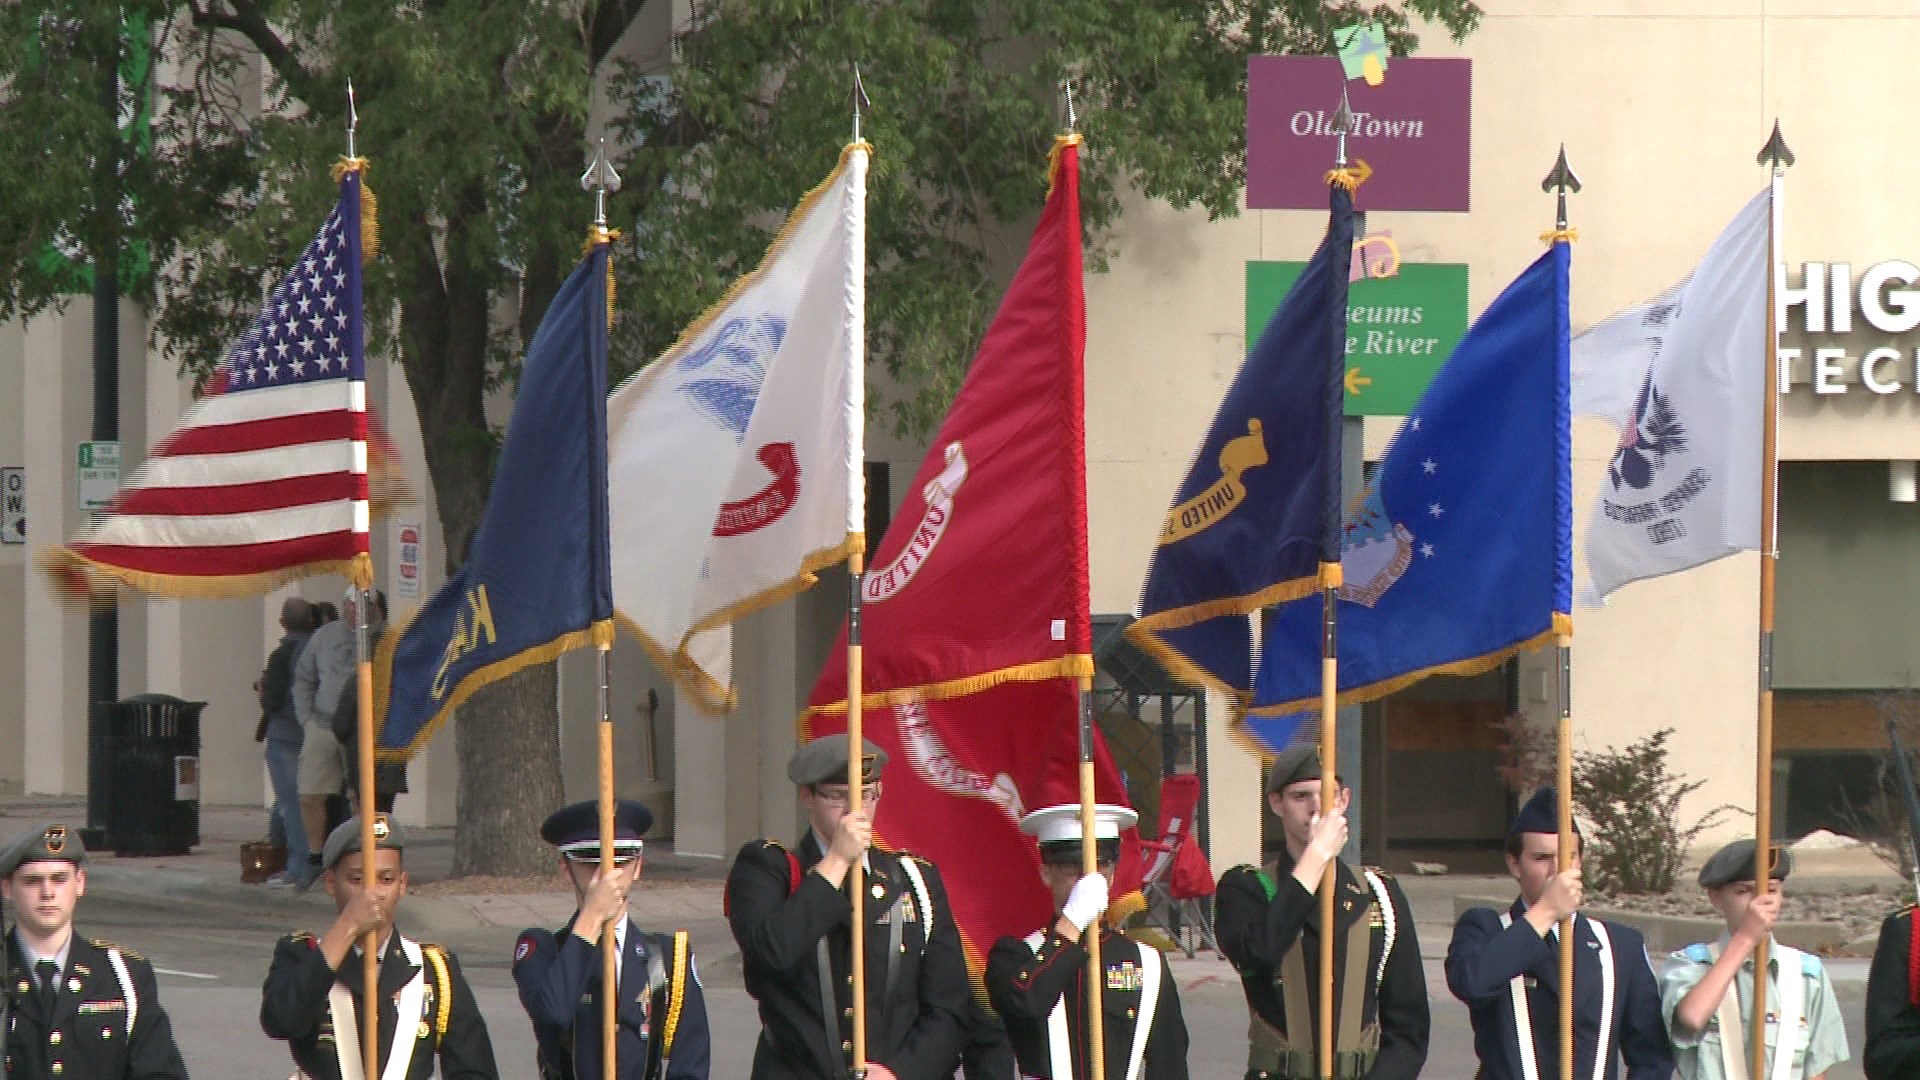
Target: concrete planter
<point>1670,933</point>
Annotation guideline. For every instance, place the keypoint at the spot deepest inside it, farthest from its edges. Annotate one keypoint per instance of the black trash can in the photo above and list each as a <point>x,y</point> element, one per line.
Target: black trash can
<point>151,746</point>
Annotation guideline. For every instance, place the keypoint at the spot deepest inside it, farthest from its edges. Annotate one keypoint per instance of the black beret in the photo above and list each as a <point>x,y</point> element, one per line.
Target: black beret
<point>575,829</point>
<point>1540,814</point>
<point>51,842</point>
<point>1296,763</point>
<point>824,761</point>
<point>1735,863</point>
<point>345,840</point>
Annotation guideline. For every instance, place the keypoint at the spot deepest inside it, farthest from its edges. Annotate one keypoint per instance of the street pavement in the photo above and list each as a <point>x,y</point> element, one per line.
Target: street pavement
<point>211,938</point>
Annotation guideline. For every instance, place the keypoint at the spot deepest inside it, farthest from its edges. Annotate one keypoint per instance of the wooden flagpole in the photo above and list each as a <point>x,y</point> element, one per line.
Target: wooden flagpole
<point>856,685</point>
<point>1089,864</point>
<point>1562,180</point>
<point>600,179</point>
<point>1777,157</point>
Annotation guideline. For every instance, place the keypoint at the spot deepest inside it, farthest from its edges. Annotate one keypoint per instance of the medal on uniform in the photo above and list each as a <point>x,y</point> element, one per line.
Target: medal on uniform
<point>423,1031</point>
<point>879,891</point>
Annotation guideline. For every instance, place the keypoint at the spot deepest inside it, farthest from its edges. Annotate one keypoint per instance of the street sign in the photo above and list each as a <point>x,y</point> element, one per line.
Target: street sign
<point>407,585</point>
<point>1400,329</point>
<point>13,505</point>
<point>1414,129</point>
<point>99,464</point>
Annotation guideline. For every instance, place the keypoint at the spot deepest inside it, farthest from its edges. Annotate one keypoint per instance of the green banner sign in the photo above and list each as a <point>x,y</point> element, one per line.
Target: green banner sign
<point>1400,329</point>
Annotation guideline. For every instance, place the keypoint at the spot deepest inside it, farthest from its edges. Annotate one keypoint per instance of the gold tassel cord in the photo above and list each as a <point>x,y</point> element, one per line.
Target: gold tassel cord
<point>600,234</point>
<point>1554,236</point>
<point>369,205</point>
<point>1350,176</point>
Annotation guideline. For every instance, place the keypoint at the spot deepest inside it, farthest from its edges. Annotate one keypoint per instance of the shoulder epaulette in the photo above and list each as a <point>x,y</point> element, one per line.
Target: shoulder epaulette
<point>1245,867</point>
<point>103,944</point>
<point>768,841</point>
<point>1377,872</point>
<point>301,935</point>
<point>1699,953</point>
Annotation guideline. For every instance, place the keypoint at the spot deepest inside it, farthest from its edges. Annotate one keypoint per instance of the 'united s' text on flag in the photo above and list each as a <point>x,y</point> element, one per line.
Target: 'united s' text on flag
<point>1260,509</point>
<point>1460,553</point>
<point>1683,487</point>
<point>265,479</point>
<point>535,582</point>
<point>736,457</point>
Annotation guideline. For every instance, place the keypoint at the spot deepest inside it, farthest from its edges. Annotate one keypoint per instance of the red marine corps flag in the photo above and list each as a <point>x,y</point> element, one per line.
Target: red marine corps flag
<point>975,607</point>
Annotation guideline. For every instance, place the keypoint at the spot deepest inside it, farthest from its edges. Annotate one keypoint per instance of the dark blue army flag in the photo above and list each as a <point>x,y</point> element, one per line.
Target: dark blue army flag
<point>1460,553</point>
<point>536,582</point>
<point>1260,509</point>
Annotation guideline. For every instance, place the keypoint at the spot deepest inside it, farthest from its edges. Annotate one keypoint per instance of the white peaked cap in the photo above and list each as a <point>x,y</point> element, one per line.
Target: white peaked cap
<point>1063,822</point>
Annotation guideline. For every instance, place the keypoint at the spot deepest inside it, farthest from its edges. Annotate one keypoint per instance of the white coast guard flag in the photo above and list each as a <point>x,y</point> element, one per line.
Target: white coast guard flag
<point>735,459</point>
<point>1683,487</point>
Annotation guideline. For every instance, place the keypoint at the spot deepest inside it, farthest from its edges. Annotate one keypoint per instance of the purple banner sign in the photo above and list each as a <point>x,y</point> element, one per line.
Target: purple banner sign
<point>1413,129</point>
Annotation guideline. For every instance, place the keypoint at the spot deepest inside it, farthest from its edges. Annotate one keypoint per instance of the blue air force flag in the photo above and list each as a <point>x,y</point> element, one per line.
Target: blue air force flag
<point>536,581</point>
<point>1260,509</point>
<point>1460,552</point>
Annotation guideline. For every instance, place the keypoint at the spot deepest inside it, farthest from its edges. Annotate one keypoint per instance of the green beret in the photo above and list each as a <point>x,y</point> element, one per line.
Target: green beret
<point>345,840</point>
<point>1735,863</point>
<point>51,842</point>
<point>824,761</point>
<point>1298,762</point>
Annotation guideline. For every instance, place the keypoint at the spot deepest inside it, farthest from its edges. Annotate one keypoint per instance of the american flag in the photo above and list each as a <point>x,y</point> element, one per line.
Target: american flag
<point>266,478</point>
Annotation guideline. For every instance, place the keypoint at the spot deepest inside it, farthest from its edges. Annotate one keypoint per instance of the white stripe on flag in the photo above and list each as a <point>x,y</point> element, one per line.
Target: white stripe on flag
<point>221,530</point>
<point>267,403</point>
<point>248,466</point>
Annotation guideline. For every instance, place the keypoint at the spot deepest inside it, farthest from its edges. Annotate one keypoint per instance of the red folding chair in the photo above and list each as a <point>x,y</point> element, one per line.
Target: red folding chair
<point>1178,880</point>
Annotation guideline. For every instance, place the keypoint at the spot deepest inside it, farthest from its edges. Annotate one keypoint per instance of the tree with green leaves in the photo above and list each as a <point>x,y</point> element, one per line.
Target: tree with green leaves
<point>720,114</point>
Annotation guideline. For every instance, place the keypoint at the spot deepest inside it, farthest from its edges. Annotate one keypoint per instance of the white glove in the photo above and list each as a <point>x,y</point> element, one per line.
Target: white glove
<point>1086,902</point>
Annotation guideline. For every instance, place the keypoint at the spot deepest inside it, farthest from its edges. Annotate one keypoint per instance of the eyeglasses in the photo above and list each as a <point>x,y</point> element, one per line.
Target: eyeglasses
<point>839,794</point>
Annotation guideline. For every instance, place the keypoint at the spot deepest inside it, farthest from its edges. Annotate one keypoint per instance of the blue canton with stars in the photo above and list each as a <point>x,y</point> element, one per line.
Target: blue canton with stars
<point>1460,552</point>
<point>305,332</point>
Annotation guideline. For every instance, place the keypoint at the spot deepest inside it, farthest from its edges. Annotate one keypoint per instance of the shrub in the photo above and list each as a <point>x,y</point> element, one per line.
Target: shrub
<point>1630,798</point>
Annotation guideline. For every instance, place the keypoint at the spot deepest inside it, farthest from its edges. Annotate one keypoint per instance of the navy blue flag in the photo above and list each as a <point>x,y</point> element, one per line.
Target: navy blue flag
<point>536,582</point>
<point>1260,509</point>
<point>1460,554</point>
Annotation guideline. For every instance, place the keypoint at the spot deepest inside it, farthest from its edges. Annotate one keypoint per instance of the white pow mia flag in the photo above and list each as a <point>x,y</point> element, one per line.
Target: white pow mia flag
<point>1683,486</point>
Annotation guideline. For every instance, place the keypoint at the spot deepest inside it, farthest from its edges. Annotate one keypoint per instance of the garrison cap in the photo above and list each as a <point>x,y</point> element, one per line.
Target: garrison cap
<point>51,842</point>
<point>824,761</point>
<point>1296,763</point>
<point>1540,814</point>
<point>1735,863</point>
<point>575,829</point>
<point>1058,830</point>
<point>345,840</point>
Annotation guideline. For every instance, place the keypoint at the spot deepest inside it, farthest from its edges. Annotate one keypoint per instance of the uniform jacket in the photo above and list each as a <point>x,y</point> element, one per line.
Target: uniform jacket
<point>1483,958</point>
<point>1893,1024</point>
<point>85,1036</point>
<point>1255,933</point>
<point>916,1027</point>
<point>1025,984</point>
<point>559,979</point>
<point>294,1007</point>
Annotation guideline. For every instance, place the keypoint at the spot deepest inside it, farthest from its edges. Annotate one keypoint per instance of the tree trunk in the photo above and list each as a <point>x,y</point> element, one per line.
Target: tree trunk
<point>509,776</point>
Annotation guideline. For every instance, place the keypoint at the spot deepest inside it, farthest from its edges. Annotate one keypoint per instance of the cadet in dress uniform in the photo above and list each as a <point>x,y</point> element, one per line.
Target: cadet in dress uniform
<point>1506,967</point>
<point>314,992</point>
<point>1893,1002</point>
<point>1707,989</point>
<point>662,1013</point>
<point>1039,983</point>
<point>1268,922</point>
<point>76,1009</point>
<point>792,919</point>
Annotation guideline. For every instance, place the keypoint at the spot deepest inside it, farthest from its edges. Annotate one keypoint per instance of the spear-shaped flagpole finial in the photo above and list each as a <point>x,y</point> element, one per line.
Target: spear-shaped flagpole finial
<point>1561,181</point>
<point>1342,123</point>
<point>1066,98</point>
<point>600,179</point>
<point>1775,154</point>
<point>353,119</point>
<point>860,101</point>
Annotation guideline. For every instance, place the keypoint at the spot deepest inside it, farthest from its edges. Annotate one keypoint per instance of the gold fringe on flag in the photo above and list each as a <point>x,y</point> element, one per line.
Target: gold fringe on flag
<point>369,205</point>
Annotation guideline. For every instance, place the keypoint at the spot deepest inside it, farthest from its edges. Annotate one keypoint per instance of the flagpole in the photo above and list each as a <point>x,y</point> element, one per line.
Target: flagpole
<point>856,689</point>
<point>1561,180</point>
<point>1777,157</point>
<point>600,178</point>
<point>363,668</point>
<point>1330,581</point>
